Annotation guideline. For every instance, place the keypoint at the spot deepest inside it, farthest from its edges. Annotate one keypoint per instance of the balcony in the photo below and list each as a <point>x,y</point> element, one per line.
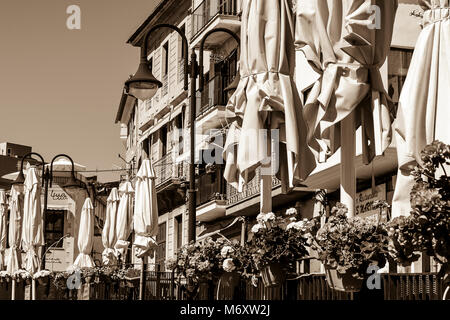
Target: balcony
<point>211,104</point>
<point>211,14</point>
<point>250,190</point>
<point>167,171</point>
<point>210,200</point>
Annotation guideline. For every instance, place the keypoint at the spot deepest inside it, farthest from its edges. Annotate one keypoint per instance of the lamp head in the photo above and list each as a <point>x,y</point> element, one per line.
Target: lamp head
<point>143,85</point>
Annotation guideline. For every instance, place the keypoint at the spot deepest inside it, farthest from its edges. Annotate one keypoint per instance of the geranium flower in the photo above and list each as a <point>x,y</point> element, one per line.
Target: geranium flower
<point>257,227</point>
<point>228,265</point>
<point>291,211</point>
<point>226,251</point>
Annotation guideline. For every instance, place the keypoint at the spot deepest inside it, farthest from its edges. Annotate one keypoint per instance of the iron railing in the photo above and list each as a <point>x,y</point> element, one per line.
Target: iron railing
<point>211,96</point>
<point>167,168</point>
<point>251,189</point>
<point>164,286</point>
<point>209,9</point>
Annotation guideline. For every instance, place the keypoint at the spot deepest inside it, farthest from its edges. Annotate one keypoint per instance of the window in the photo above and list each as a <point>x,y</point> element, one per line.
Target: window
<point>163,138</point>
<point>165,57</point>
<point>179,231</point>
<point>398,65</point>
<point>150,64</point>
<point>9,152</point>
<point>161,250</point>
<point>54,228</point>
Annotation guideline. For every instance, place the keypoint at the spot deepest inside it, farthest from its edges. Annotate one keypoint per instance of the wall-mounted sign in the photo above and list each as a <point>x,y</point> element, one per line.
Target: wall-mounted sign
<point>365,201</point>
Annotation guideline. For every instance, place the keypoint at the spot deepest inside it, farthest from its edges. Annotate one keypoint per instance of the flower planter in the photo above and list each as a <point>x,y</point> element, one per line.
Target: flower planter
<point>132,282</point>
<point>226,287</point>
<point>273,275</point>
<point>43,281</point>
<point>344,282</point>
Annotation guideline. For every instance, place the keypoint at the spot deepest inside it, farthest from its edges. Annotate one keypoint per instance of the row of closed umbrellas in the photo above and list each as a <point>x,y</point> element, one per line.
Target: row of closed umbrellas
<point>340,46</point>
<point>26,223</point>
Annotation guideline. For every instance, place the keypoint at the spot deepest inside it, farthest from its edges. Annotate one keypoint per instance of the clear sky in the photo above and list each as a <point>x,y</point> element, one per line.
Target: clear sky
<point>60,88</point>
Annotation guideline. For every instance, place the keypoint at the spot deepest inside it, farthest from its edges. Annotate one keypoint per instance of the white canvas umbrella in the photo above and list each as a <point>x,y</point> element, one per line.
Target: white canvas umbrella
<point>267,99</point>
<point>15,230</point>
<point>423,110</point>
<point>145,219</point>
<point>15,233</point>
<point>3,227</point>
<point>344,44</point>
<point>109,229</point>
<point>85,236</point>
<point>32,227</point>
<point>124,223</point>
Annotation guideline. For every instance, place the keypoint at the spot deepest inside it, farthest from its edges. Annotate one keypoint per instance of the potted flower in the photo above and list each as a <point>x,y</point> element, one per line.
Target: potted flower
<point>60,279</point>
<point>427,229</point>
<point>87,274</point>
<point>132,277</point>
<point>22,275</point>
<point>276,245</point>
<point>43,277</point>
<point>348,246</point>
<point>236,262</point>
<point>5,276</point>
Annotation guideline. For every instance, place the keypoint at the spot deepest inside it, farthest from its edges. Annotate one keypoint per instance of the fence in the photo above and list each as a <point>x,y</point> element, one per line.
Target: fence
<point>163,286</point>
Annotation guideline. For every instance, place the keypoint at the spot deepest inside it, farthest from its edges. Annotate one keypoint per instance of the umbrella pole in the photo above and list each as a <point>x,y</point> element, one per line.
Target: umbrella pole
<point>33,289</point>
<point>13,289</point>
<point>142,282</point>
<point>266,179</point>
<point>348,171</point>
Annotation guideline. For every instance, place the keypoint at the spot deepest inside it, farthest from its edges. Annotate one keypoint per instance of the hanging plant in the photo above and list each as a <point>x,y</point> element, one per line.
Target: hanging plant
<point>348,246</point>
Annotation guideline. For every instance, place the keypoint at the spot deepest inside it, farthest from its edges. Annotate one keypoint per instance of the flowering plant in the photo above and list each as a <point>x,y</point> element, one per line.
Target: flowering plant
<point>350,245</point>
<point>209,259</point>
<point>277,241</point>
<point>42,274</point>
<point>132,273</point>
<point>428,227</point>
<point>60,278</point>
<point>5,275</point>
<point>21,274</point>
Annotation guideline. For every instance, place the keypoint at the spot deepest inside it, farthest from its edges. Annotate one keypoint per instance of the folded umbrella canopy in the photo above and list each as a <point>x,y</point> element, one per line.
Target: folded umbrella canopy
<point>145,210</point>
<point>345,43</point>
<point>266,98</point>
<point>423,110</point>
<point>85,236</point>
<point>3,227</point>
<point>109,229</point>
<point>32,227</point>
<point>15,230</point>
<point>124,223</point>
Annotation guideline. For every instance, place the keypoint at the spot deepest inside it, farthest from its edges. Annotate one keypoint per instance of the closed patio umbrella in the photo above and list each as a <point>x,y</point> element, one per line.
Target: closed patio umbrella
<point>3,227</point>
<point>423,110</point>
<point>109,229</point>
<point>15,230</point>
<point>32,227</point>
<point>85,236</point>
<point>145,219</point>
<point>124,223</point>
<point>344,44</point>
<point>15,233</point>
<point>267,99</point>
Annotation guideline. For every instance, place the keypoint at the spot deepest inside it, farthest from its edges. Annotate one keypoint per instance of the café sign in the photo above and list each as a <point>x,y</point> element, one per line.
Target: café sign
<point>365,201</point>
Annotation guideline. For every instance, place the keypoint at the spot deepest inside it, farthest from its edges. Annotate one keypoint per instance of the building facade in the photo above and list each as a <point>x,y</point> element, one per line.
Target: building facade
<point>159,128</point>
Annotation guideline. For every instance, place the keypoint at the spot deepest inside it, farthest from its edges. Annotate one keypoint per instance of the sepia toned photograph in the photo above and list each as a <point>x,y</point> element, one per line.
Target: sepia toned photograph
<point>246,154</point>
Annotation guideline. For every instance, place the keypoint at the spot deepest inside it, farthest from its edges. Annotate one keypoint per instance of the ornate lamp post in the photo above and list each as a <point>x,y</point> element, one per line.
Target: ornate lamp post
<point>143,86</point>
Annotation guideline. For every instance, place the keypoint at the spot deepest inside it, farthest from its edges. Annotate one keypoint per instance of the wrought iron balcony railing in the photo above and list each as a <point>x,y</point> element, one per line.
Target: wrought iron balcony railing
<point>208,9</point>
<point>167,169</point>
<point>249,190</point>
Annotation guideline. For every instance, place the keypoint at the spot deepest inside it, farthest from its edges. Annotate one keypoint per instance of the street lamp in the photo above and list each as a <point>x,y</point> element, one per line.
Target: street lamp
<point>47,176</point>
<point>143,86</point>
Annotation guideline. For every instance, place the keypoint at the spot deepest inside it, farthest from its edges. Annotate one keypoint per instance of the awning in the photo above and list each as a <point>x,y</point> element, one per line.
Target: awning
<point>217,228</point>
